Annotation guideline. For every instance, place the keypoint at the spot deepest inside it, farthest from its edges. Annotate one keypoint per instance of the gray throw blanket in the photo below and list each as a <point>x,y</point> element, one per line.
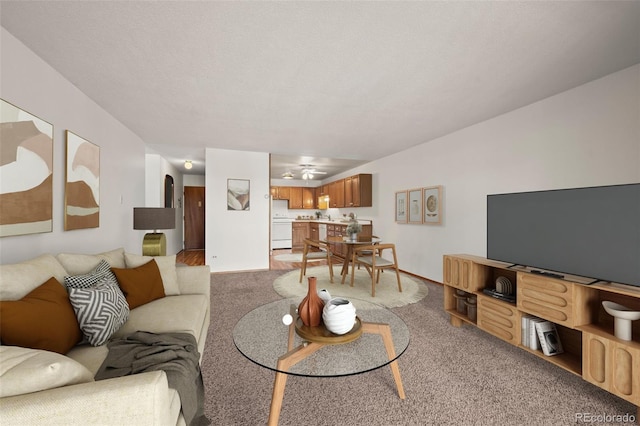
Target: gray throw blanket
<point>174,353</point>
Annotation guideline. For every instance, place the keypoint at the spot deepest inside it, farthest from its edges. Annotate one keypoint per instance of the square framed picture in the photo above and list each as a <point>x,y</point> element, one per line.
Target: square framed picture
<point>238,194</point>
<point>401,206</point>
<point>414,205</point>
<point>432,204</point>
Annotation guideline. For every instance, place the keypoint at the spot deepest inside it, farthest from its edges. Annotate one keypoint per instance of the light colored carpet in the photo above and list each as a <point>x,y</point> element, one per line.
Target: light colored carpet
<point>452,376</point>
<point>387,293</point>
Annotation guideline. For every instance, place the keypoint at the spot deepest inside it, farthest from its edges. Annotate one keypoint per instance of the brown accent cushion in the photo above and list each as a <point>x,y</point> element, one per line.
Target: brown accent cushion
<point>140,285</point>
<point>43,319</point>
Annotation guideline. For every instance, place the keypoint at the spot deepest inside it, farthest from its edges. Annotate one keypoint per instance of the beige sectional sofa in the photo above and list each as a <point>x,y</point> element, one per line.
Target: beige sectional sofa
<point>45,387</point>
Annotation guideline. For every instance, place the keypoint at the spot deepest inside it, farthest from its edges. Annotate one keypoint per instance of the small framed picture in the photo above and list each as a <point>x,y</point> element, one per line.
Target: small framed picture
<point>238,194</point>
<point>432,204</point>
<point>414,205</point>
<point>401,206</point>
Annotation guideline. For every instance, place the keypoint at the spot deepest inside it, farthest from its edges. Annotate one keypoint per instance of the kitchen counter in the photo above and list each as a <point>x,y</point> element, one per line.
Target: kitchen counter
<point>333,222</point>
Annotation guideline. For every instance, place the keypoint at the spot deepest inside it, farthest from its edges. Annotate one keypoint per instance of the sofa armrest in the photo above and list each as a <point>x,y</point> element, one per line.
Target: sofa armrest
<point>194,279</point>
<point>141,399</point>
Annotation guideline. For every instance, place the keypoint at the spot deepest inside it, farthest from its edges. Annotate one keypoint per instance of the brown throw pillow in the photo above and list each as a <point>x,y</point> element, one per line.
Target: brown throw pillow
<point>43,319</point>
<point>140,285</point>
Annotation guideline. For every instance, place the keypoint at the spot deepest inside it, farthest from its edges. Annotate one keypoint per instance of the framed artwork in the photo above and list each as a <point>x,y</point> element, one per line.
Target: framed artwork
<point>238,194</point>
<point>415,205</point>
<point>401,206</point>
<point>432,197</point>
<point>26,172</point>
<point>82,184</point>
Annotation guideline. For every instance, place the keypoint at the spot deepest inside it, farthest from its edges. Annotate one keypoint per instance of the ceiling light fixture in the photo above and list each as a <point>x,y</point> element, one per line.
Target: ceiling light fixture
<point>287,175</point>
<point>188,165</point>
<point>307,175</point>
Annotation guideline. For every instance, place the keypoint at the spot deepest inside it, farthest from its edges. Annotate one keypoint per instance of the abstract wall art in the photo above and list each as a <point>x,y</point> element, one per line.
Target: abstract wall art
<point>26,172</point>
<point>82,189</point>
<point>238,194</point>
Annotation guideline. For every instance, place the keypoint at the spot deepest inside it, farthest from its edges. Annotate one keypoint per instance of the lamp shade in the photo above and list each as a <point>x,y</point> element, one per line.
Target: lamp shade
<point>147,218</point>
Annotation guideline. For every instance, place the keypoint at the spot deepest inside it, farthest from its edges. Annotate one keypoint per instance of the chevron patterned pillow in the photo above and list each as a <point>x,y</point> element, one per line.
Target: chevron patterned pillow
<point>98,303</point>
<point>101,311</point>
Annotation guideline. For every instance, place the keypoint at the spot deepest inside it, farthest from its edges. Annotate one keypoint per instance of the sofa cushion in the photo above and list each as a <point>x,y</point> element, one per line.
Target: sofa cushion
<point>183,313</point>
<point>78,264</point>
<point>101,311</point>
<point>91,357</point>
<point>101,273</point>
<point>98,302</point>
<point>24,370</point>
<point>140,285</point>
<point>167,266</point>
<point>43,319</point>
<point>17,280</point>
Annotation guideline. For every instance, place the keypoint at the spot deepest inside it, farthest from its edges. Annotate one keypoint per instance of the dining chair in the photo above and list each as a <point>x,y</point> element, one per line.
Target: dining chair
<point>375,262</point>
<point>369,252</point>
<point>316,250</point>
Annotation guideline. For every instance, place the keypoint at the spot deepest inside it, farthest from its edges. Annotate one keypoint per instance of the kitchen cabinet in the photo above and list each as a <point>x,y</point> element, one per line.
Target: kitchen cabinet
<point>280,192</point>
<point>358,191</point>
<point>336,194</point>
<point>299,231</point>
<point>314,231</point>
<point>295,197</point>
<point>308,198</point>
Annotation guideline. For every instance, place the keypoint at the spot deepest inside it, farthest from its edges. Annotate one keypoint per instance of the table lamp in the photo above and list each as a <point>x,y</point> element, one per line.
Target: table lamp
<point>147,218</point>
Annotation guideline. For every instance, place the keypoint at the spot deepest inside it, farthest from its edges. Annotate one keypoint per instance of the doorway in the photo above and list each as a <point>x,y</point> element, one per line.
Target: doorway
<point>194,214</point>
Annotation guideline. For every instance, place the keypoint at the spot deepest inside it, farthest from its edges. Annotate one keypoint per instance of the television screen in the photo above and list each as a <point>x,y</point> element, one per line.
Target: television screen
<point>591,232</point>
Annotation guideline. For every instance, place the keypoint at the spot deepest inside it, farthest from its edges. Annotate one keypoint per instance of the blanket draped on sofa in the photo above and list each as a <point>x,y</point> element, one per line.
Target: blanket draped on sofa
<point>174,353</point>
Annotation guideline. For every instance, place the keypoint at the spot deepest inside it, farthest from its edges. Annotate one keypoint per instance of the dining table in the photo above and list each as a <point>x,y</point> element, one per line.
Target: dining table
<point>350,244</point>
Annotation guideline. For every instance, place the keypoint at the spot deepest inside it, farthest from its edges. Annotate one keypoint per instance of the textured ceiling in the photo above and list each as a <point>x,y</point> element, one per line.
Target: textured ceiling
<point>344,80</point>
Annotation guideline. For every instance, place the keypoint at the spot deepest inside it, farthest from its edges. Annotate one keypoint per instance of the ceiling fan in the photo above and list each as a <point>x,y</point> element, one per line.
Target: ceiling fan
<point>308,171</point>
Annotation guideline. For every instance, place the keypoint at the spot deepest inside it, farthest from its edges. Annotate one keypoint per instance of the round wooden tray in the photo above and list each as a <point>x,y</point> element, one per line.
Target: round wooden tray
<point>320,334</point>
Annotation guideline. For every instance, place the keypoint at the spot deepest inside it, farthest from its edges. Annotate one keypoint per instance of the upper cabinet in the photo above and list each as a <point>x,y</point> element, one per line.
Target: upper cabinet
<point>280,192</point>
<point>295,197</point>
<point>358,191</point>
<point>353,191</point>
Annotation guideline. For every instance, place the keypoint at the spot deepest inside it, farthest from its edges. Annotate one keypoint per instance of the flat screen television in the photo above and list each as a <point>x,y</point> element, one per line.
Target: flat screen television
<point>590,232</point>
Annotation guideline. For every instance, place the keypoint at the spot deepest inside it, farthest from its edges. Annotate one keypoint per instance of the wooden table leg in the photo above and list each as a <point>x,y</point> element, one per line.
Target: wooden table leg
<point>347,260</point>
<point>385,332</point>
<point>285,362</point>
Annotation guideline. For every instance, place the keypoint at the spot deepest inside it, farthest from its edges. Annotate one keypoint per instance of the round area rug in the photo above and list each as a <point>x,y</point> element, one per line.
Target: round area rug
<point>387,293</point>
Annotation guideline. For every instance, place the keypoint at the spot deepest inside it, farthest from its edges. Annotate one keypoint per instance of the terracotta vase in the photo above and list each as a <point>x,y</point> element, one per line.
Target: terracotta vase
<point>310,309</point>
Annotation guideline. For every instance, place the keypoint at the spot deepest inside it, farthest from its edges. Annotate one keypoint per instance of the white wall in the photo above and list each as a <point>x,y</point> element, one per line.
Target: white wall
<point>29,83</point>
<point>587,136</point>
<point>237,240</point>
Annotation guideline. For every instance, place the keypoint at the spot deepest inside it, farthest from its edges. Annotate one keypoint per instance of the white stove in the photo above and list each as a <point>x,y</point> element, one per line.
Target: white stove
<point>281,232</point>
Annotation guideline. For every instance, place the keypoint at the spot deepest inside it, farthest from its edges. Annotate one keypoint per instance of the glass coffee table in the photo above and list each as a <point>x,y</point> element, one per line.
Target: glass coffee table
<point>378,339</point>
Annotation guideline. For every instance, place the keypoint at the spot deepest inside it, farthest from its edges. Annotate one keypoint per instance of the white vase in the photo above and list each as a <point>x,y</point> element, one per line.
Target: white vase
<point>339,315</point>
<point>324,295</point>
<point>354,236</point>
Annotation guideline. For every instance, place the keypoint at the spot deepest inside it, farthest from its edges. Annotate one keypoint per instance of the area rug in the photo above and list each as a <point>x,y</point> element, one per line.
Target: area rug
<point>387,293</point>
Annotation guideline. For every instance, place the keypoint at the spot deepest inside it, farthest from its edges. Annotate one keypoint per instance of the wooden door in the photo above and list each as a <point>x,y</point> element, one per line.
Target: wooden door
<point>194,213</point>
